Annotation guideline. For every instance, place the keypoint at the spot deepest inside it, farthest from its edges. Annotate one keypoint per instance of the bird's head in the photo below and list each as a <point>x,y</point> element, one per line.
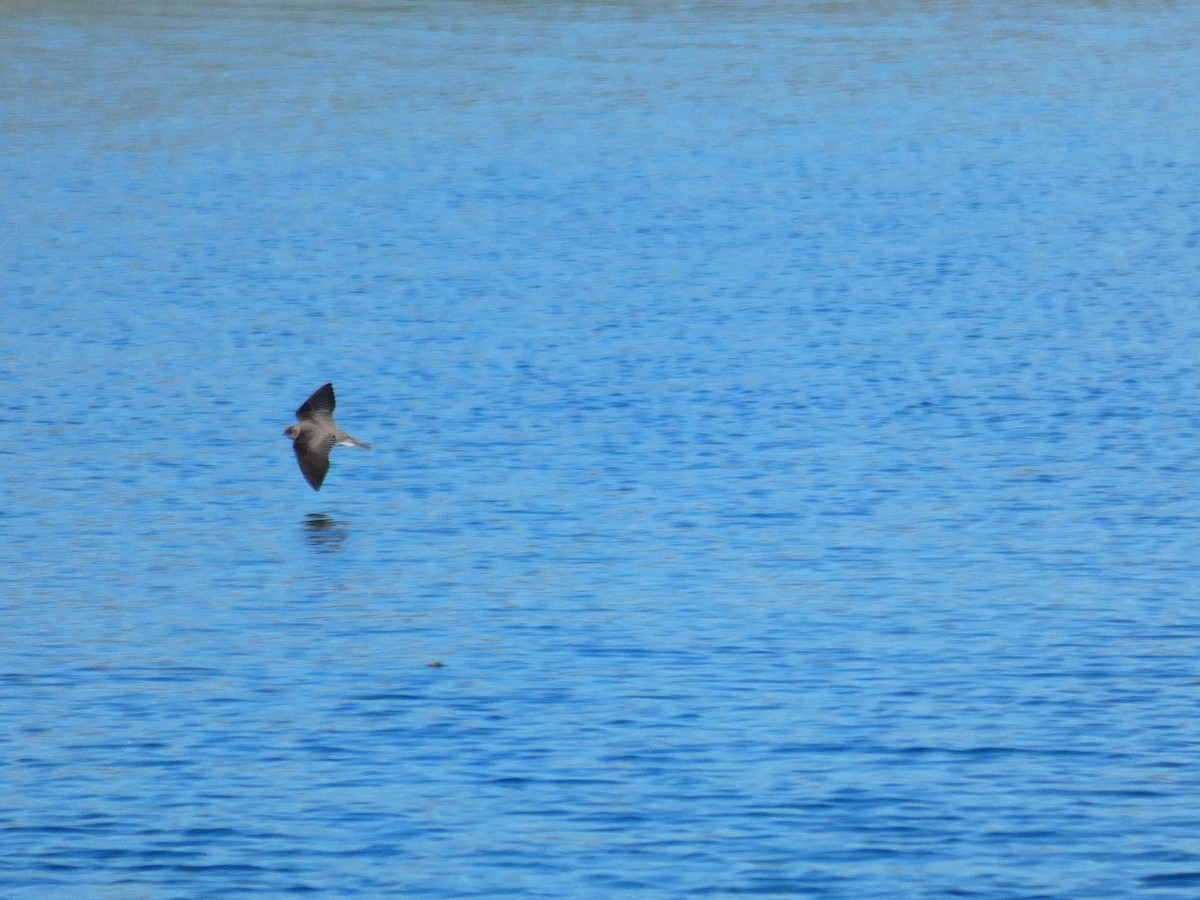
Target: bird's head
<point>292,431</point>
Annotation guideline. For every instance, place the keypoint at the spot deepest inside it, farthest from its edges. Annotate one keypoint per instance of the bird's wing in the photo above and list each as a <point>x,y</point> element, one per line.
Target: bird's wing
<point>312,452</point>
<point>318,407</point>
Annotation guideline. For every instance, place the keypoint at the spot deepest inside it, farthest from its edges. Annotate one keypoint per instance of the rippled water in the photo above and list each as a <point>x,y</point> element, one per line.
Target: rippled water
<point>785,425</point>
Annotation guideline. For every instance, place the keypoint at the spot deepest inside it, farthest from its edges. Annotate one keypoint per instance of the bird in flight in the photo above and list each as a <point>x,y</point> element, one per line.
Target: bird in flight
<point>317,434</point>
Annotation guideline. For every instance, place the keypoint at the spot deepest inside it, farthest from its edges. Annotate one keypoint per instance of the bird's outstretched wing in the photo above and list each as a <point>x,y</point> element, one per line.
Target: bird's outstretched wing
<point>319,406</point>
<point>312,452</point>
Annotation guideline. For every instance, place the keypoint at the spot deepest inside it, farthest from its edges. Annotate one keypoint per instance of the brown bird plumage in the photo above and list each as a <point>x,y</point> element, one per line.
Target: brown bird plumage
<point>317,434</point>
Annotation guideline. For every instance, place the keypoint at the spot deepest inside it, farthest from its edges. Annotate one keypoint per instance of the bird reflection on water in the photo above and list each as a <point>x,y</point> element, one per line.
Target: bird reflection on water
<point>325,534</point>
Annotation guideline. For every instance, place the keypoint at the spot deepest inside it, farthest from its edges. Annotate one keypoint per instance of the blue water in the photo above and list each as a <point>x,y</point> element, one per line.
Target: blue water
<point>785,476</point>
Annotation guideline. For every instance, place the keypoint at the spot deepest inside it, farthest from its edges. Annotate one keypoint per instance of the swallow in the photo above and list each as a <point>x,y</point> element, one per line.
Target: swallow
<point>316,435</point>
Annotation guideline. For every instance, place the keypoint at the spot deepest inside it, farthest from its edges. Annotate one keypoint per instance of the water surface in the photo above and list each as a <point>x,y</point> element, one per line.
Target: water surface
<point>785,430</point>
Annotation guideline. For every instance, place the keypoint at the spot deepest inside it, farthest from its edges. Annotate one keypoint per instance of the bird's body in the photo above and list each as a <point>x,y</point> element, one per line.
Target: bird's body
<point>317,434</point>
